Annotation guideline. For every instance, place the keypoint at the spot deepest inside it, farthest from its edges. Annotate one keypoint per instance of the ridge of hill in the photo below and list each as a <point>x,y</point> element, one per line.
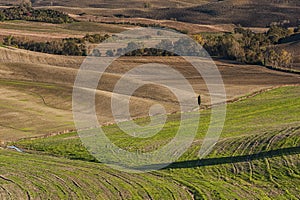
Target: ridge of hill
<point>248,13</point>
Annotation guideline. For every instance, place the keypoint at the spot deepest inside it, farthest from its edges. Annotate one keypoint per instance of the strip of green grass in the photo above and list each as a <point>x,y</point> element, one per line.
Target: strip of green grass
<point>267,112</point>
<point>26,83</point>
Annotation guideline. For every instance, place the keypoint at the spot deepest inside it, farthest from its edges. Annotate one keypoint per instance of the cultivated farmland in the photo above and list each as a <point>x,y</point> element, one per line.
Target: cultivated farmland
<point>265,159</point>
<point>257,154</point>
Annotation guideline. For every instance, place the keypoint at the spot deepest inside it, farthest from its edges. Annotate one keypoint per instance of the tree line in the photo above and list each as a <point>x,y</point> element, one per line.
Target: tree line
<point>249,47</point>
<point>184,47</point>
<point>242,45</point>
<point>24,11</point>
<point>66,46</point>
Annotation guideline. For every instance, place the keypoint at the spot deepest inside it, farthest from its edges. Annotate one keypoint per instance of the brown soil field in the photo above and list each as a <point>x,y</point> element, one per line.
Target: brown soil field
<point>181,26</point>
<point>40,86</point>
<point>39,31</point>
<point>112,4</point>
<point>245,12</point>
<point>248,13</point>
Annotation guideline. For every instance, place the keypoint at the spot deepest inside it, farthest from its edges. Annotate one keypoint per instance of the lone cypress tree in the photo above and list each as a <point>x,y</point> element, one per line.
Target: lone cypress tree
<point>199,100</point>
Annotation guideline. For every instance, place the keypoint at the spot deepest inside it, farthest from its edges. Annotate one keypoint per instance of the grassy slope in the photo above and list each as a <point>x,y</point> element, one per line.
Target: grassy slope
<point>265,128</point>
<point>43,177</point>
<point>261,114</point>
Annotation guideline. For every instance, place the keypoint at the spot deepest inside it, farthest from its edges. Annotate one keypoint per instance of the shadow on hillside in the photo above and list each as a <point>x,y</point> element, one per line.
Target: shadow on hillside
<point>227,160</point>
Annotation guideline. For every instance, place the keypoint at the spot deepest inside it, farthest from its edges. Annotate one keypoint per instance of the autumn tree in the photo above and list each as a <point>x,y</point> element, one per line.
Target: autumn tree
<point>278,57</point>
<point>285,58</point>
<point>199,38</point>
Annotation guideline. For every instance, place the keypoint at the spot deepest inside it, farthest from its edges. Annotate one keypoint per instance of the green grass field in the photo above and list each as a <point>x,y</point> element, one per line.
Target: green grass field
<point>257,157</point>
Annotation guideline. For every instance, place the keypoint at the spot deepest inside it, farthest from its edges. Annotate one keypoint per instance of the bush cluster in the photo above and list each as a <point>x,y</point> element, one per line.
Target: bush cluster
<point>249,47</point>
<point>66,46</point>
<point>26,12</point>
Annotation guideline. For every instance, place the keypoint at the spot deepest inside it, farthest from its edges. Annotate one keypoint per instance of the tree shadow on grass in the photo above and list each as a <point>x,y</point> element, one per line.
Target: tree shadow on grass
<point>226,160</point>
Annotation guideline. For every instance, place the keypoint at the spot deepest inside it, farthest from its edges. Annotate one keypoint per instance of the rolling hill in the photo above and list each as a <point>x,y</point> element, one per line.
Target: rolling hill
<point>263,158</point>
<point>249,13</point>
<point>257,155</point>
<point>111,4</point>
<point>39,83</point>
